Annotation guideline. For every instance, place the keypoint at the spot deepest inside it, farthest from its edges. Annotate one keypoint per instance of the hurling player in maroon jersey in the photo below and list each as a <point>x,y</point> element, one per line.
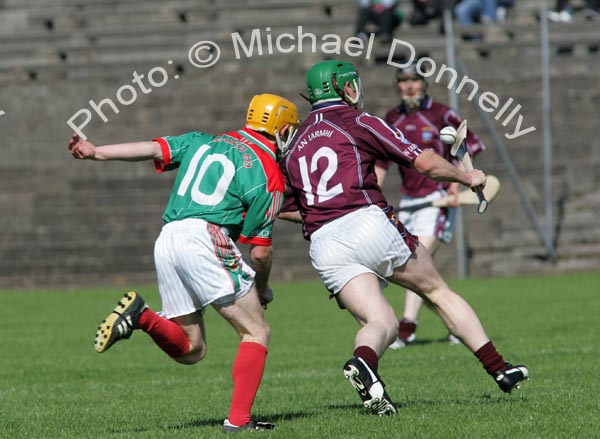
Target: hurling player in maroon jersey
<point>420,119</point>
<point>356,243</point>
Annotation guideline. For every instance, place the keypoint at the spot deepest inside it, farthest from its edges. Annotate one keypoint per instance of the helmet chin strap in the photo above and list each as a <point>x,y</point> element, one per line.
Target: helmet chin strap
<point>283,145</point>
<point>355,102</point>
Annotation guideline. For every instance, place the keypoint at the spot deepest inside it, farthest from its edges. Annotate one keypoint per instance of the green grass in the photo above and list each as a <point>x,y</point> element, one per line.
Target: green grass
<point>53,384</point>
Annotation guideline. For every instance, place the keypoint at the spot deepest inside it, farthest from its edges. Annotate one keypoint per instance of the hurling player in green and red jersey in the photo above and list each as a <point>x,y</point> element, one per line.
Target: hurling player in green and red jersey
<point>228,188</point>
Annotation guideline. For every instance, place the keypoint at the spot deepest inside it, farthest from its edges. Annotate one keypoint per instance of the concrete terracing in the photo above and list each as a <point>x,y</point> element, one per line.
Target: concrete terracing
<point>65,222</point>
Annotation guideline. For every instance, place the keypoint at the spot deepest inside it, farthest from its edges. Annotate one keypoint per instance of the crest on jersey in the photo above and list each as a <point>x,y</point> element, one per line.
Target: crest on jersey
<point>427,135</point>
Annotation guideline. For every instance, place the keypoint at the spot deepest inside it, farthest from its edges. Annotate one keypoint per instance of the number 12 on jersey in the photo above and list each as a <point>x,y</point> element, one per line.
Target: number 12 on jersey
<point>308,176</point>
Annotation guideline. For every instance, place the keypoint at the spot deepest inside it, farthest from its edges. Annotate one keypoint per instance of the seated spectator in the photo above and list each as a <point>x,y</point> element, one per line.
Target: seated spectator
<point>563,12</point>
<point>425,11</point>
<point>386,15</point>
<point>473,11</point>
<point>591,10</point>
<point>502,10</point>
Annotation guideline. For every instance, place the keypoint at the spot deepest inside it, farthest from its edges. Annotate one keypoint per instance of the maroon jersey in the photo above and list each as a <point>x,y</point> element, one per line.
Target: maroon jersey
<point>329,170</point>
<point>423,128</point>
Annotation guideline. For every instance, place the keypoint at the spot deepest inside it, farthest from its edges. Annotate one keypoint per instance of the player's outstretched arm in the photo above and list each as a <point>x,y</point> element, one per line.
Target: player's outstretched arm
<point>438,168</point>
<point>134,152</point>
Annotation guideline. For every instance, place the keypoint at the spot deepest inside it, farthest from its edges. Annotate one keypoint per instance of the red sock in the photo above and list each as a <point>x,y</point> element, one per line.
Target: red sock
<point>490,358</point>
<point>247,372</point>
<point>369,355</point>
<point>167,334</point>
<point>406,328</point>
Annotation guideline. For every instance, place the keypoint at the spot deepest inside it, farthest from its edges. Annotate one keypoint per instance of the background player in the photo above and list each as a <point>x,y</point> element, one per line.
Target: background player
<point>356,243</point>
<point>420,119</point>
<point>228,187</point>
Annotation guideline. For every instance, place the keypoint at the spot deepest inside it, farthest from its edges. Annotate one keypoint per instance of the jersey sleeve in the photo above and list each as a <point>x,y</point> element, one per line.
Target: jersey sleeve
<point>258,222</point>
<point>386,142</point>
<point>390,118</point>
<point>175,147</point>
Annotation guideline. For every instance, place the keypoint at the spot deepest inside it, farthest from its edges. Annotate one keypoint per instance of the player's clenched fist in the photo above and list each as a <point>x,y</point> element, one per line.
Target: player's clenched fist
<point>81,149</point>
<point>266,297</point>
<point>477,178</point>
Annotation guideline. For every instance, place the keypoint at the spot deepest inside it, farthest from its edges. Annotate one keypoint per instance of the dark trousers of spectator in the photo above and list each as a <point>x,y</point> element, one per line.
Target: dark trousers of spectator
<point>385,22</point>
<point>593,4</point>
<point>423,11</point>
<point>561,5</point>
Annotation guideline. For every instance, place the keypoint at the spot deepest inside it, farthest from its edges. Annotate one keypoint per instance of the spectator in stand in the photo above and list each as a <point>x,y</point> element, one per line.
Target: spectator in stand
<point>592,9</point>
<point>386,15</point>
<point>502,10</point>
<point>563,12</point>
<point>424,11</point>
<point>469,12</point>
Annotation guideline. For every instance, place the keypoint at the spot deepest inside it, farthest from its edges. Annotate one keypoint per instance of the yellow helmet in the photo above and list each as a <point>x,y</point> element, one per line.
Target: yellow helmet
<point>271,114</point>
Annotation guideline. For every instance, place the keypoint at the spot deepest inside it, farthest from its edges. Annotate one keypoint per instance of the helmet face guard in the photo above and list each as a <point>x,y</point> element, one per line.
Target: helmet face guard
<point>411,73</point>
<point>275,116</point>
<point>326,81</point>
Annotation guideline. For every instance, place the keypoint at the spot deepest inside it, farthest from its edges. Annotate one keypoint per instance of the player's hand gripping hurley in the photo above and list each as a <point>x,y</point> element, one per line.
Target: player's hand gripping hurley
<point>459,150</point>
<point>491,189</point>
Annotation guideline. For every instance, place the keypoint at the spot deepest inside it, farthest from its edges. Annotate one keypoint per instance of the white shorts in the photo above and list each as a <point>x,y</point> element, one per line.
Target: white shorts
<point>429,221</point>
<point>197,264</point>
<point>363,241</point>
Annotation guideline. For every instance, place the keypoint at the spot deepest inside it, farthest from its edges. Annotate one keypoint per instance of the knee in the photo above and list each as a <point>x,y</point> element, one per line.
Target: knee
<point>392,332</point>
<point>267,332</point>
<point>263,334</point>
<point>194,355</point>
<point>258,334</point>
<point>391,324</point>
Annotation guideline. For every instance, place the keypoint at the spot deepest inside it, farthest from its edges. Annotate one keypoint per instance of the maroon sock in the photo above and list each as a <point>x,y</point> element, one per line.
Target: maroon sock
<point>490,358</point>
<point>369,355</point>
<point>167,334</point>
<point>406,328</point>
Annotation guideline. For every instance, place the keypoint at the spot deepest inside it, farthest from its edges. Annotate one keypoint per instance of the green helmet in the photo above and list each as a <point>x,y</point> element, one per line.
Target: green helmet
<point>326,80</point>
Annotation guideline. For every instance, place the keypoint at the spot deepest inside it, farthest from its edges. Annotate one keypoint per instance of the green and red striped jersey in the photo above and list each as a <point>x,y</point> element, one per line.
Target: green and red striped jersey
<point>231,180</point>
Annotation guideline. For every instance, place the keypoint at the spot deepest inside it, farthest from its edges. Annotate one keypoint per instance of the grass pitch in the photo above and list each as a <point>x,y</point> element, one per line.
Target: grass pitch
<point>54,385</point>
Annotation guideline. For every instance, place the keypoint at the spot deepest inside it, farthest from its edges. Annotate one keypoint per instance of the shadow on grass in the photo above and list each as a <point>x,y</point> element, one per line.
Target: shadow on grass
<point>485,399</point>
<point>214,422</point>
<point>417,403</point>
<point>425,341</point>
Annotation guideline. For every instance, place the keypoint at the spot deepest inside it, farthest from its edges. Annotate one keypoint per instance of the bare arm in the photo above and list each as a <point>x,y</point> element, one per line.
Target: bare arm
<point>261,259</point>
<point>454,189</point>
<point>380,173</point>
<point>438,168</point>
<point>133,152</point>
<point>294,216</point>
